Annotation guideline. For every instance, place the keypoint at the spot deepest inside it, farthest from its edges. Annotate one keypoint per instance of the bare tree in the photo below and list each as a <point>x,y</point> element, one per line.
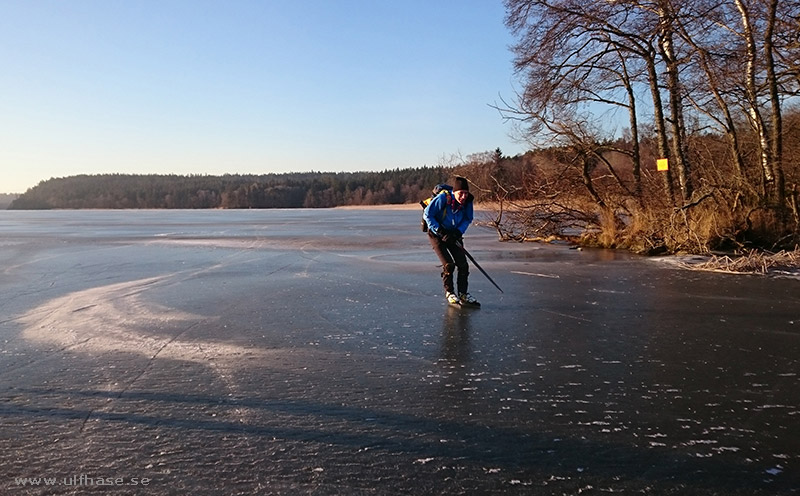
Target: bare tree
<point>701,66</point>
<point>668,19</point>
<point>707,37</point>
<point>575,54</point>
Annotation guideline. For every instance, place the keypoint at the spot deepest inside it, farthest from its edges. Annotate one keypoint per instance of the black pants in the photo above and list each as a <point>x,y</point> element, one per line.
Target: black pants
<point>452,258</point>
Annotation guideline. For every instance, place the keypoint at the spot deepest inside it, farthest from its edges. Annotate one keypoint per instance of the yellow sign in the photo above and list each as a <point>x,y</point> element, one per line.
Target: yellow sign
<point>662,164</point>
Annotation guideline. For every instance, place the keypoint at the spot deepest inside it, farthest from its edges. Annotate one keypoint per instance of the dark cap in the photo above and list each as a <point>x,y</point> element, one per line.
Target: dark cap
<point>460,184</point>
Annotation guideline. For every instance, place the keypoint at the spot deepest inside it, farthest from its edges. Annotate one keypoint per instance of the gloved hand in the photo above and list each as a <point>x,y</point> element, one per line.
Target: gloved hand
<point>451,235</point>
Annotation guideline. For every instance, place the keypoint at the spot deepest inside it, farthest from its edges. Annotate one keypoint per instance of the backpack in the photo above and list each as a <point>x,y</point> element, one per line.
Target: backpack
<point>437,190</point>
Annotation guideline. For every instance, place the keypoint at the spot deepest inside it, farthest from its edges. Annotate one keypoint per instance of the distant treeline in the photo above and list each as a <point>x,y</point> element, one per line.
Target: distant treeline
<point>6,199</point>
<point>291,190</point>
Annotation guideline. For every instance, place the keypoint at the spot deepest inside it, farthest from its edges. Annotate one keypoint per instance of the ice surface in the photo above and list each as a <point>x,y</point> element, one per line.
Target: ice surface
<point>312,351</point>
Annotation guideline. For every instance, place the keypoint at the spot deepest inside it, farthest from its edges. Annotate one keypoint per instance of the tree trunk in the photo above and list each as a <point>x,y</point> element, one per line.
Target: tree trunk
<point>667,47</point>
<point>778,194</point>
<point>660,124</point>
<point>636,157</point>
<point>752,107</point>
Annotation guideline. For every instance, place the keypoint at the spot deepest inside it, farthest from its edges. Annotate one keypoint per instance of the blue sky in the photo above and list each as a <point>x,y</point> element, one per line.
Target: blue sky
<point>242,86</point>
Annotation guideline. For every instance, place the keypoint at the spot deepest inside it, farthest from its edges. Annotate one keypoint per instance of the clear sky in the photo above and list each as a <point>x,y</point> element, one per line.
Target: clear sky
<point>248,86</point>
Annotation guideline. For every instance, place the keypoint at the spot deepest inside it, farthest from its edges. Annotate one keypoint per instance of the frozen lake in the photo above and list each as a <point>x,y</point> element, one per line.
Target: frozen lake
<point>312,352</point>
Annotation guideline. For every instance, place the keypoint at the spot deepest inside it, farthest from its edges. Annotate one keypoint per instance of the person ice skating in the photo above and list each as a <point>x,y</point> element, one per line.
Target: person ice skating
<point>448,216</point>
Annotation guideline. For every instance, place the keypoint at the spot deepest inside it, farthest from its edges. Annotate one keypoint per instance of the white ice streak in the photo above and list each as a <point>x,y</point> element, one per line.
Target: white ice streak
<point>115,318</point>
<point>551,276</point>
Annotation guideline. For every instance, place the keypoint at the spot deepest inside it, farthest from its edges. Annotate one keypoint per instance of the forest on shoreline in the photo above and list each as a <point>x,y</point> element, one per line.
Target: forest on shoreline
<point>6,199</point>
<point>289,190</point>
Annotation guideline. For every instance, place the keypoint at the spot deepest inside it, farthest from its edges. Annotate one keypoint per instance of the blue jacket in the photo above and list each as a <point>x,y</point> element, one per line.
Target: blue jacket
<point>444,212</point>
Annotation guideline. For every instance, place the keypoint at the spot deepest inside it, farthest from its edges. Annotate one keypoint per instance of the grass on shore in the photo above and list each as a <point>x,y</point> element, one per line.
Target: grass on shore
<point>753,262</point>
